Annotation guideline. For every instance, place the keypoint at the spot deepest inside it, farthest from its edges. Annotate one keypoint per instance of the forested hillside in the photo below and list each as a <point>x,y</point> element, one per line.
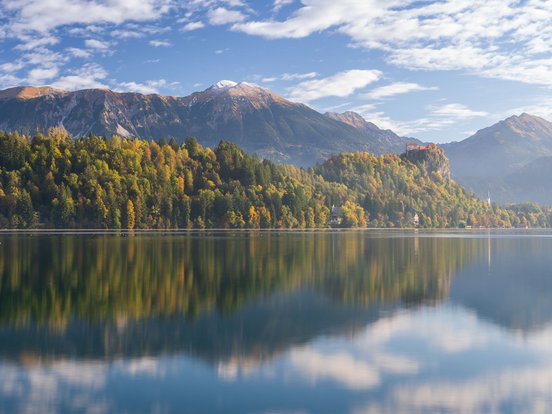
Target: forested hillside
<point>95,182</point>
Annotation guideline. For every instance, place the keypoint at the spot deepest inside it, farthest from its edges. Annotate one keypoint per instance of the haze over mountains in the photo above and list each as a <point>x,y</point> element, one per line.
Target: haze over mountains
<point>255,118</point>
<point>511,160</point>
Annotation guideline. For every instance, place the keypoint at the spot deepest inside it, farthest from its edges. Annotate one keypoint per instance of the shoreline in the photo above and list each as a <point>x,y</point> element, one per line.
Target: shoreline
<point>124,232</point>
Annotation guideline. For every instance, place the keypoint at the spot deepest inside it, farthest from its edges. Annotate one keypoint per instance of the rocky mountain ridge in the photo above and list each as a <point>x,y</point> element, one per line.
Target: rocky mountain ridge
<point>511,160</point>
<point>255,118</point>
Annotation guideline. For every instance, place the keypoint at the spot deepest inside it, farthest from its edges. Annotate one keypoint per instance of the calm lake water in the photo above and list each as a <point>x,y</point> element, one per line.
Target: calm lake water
<point>279,322</point>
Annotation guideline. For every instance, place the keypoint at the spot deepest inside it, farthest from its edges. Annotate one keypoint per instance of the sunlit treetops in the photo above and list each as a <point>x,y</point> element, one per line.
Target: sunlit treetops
<point>53,180</point>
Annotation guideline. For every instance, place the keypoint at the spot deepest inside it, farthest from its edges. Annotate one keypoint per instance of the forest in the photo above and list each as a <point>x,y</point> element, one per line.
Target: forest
<point>55,181</point>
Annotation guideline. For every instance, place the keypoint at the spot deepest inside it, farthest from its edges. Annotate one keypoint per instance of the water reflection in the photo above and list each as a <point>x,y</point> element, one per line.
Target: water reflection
<point>275,322</point>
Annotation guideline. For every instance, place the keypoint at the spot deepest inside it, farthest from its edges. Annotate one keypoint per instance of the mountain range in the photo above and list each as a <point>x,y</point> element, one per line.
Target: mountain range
<point>255,118</point>
<point>510,160</point>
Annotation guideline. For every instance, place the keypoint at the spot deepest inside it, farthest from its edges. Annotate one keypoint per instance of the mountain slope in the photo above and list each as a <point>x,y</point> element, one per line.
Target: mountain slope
<point>511,160</point>
<point>387,139</point>
<point>255,118</point>
<point>530,183</point>
<point>501,148</point>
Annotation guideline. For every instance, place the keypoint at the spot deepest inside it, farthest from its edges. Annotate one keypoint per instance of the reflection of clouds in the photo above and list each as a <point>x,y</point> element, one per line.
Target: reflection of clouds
<point>441,334</point>
<point>78,373</point>
<point>440,359</point>
<point>340,367</point>
<point>282,412</point>
<point>42,388</point>
<point>232,368</point>
<point>529,390</point>
<point>498,387</point>
<point>72,384</point>
<point>450,330</point>
<point>541,340</point>
<point>396,364</point>
<point>354,373</point>
<point>141,366</point>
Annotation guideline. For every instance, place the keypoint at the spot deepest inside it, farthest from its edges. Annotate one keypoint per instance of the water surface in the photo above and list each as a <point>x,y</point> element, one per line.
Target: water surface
<point>276,322</point>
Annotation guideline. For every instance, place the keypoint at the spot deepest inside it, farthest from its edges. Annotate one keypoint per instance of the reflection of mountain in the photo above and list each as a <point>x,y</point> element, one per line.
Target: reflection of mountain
<point>237,294</point>
<point>512,287</point>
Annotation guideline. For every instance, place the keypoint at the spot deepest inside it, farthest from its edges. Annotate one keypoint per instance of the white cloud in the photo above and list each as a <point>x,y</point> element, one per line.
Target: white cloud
<point>80,53</point>
<point>32,68</point>
<point>437,118</point>
<point>12,67</point>
<point>493,38</point>
<point>126,34</point>
<point>133,31</point>
<point>278,4</point>
<point>334,108</point>
<point>539,106</point>
<point>291,76</point>
<point>457,111</point>
<point>146,88</point>
<point>313,17</point>
<point>341,84</point>
<point>46,15</point>
<point>188,27</point>
<point>88,76</point>
<point>96,44</point>
<point>30,42</point>
<point>160,43</point>
<point>395,89</point>
<point>38,76</point>
<point>381,120</point>
<point>220,16</point>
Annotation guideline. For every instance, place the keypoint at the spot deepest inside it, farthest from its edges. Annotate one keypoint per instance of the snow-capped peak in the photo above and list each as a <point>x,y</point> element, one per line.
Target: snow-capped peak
<point>224,84</point>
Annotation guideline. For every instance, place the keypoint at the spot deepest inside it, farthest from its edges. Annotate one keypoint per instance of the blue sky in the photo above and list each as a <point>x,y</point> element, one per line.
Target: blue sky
<point>436,70</point>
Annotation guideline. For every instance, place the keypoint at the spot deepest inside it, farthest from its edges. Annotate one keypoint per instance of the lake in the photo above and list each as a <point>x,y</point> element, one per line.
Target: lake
<point>276,322</point>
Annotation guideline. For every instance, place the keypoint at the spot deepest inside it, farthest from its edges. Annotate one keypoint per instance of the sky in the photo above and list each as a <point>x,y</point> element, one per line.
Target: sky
<point>435,70</point>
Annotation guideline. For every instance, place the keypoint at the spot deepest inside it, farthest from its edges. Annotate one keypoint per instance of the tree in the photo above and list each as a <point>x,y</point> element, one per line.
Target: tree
<point>130,215</point>
<point>253,218</point>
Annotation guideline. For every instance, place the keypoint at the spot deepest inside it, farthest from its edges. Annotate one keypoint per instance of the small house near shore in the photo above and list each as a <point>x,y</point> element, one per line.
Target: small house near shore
<point>335,216</point>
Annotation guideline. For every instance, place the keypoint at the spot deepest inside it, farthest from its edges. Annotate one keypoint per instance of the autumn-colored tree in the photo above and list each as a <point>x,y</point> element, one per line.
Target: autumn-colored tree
<point>54,180</point>
<point>130,215</point>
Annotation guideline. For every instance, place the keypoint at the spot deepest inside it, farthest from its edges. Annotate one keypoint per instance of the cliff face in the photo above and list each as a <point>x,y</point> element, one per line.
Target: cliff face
<point>430,159</point>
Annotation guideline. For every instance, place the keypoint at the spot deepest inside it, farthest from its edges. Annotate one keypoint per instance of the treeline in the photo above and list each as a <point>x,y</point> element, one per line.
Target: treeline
<point>392,188</point>
<point>95,182</point>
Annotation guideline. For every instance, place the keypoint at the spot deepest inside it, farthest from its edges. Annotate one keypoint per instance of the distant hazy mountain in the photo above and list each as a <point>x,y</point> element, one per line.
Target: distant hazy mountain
<point>255,118</point>
<point>511,160</point>
<point>502,148</point>
<point>530,183</point>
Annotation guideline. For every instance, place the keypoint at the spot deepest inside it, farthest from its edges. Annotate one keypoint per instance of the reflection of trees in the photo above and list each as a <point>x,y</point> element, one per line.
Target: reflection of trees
<point>51,279</point>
